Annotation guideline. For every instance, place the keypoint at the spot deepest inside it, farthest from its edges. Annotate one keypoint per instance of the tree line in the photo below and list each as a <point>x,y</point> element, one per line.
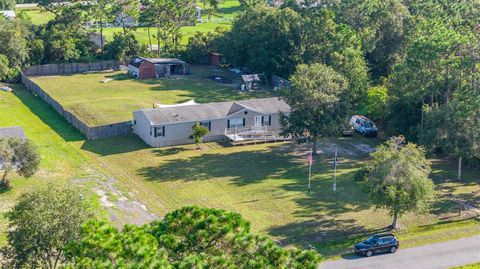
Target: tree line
<point>412,66</point>
<point>67,38</point>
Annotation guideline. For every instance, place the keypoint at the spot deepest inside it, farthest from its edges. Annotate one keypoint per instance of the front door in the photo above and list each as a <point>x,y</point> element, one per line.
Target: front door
<point>258,122</point>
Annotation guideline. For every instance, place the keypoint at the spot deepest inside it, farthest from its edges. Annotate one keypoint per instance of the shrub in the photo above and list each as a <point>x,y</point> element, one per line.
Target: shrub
<point>361,174</point>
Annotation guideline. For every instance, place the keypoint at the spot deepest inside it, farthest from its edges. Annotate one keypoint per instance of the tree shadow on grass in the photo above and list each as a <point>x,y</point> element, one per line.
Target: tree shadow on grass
<point>114,145</point>
<point>47,114</point>
<point>244,167</point>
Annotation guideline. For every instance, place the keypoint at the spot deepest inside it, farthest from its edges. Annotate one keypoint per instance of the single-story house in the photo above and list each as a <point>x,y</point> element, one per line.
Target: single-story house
<point>143,68</point>
<point>12,132</point>
<point>169,126</point>
<point>8,14</point>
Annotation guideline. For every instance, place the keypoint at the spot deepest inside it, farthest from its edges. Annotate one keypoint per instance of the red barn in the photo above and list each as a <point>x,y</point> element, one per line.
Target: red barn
<point>144,68</point>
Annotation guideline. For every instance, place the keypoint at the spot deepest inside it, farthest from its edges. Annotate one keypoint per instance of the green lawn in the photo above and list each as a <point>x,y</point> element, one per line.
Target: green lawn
<point>37,15</point>
<point>267,185</point>
<point>99,103</point>
<point>61,161</point>
<point>227,10</point>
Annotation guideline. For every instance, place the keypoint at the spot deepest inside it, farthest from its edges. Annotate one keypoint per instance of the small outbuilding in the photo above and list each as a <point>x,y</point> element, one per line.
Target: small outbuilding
<point>251,82</point>
<point>12,132</point>
<point>8,14</point>
<point>215,59</point>
<point>144,68</point>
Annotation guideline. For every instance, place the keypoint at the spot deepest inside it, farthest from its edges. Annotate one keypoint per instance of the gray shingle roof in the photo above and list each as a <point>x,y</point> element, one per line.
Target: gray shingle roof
<point>12,132</point>
<point>210,111</point>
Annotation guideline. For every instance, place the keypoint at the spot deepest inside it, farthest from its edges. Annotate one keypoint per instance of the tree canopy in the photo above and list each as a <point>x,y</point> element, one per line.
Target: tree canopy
<point>318,103</point>
<point>188,237</point>
<point>41,224</point>
<point>398,177</point>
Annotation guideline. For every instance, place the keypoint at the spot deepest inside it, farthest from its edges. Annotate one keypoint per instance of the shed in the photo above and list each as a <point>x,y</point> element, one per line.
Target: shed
<point>12,132</point>
<point>251,82</point>
<point>215,59</point>
<point>144,68</point>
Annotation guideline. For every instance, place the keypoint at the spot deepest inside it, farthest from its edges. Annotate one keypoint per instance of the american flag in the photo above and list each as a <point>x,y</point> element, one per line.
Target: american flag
<point>310,158</point>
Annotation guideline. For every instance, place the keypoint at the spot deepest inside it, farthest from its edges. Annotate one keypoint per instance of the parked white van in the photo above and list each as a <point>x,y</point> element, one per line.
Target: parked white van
<point>364,125</point>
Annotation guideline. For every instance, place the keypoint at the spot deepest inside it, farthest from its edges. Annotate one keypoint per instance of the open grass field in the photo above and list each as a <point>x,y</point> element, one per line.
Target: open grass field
<point>227,10</point>
<point>99,103</point>
<point>36,15</point>
<point>265,183</point>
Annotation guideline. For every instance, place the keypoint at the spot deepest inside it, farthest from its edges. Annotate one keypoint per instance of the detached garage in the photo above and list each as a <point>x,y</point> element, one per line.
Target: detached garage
<point>144,68</point>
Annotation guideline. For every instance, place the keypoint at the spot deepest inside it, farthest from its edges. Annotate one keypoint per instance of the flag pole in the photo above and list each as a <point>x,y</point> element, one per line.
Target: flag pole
<point>335,171</point>
<point>310,170</point>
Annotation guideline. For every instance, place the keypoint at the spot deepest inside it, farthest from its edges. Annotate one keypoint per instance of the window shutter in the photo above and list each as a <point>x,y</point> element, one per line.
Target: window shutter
<point>228,123</point>
<point>262,121</point>
<point>163,131</point>
<point>150,130</point>
<point>209,125</point>
<point>154,131</point>
<point>243,121</point>
<point>269,119</point>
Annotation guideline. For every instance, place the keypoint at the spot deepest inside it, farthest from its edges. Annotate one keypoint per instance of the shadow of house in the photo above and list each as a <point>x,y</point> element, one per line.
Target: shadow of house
<point>238,166</point>
<point>114,145</point>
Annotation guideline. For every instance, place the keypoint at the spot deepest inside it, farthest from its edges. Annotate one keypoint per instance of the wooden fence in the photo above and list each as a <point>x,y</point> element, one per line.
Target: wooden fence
<point>70,68</point>
<point>96,132</point>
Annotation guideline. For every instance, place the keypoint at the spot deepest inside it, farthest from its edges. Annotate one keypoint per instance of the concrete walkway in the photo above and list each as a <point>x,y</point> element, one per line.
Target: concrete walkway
<point>436,256</point>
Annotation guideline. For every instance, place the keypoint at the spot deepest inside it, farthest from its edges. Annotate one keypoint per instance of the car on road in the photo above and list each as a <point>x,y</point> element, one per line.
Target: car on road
<point>364,125</point>
<point>379,243</point>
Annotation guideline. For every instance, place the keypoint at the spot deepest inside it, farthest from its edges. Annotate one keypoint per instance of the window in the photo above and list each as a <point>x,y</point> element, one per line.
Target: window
<point>267,120</point>
<point>158,131</point>
<point>206,124</point>
<point>236,123</point>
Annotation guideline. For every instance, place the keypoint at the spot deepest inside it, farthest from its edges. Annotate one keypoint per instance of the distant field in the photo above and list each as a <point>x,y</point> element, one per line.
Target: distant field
<point>99,103</point>
<point>37,15</point>
<point>228,9</point>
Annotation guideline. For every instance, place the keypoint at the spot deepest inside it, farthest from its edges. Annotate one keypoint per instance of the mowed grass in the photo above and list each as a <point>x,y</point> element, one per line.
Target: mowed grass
<point>267,184</point>
<point>98,103</point>
<point>61,161</point>
<point>227,10</point>
<point>37,15</point>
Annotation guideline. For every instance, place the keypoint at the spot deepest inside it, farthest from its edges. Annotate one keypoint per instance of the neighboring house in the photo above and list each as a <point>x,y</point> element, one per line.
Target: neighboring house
<point>143,68</point>
<point>12,132</point>
<point>254,119</point>
<point>9,14</point>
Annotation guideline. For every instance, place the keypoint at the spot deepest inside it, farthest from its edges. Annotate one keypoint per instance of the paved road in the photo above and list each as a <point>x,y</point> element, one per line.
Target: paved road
<point>435,256</point>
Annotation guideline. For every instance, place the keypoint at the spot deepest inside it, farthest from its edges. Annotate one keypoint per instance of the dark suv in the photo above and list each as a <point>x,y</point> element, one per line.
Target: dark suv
<point>379,243</point>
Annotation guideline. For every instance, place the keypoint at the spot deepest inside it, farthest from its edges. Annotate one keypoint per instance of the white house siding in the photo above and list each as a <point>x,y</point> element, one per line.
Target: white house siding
<point>178,133</point>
